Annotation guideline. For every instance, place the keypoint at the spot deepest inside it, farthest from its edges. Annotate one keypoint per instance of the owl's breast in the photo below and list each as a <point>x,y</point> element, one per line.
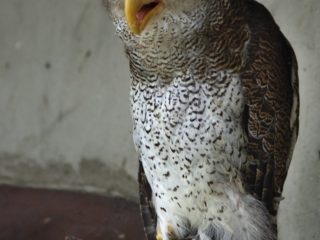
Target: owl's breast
<point>189,130</point>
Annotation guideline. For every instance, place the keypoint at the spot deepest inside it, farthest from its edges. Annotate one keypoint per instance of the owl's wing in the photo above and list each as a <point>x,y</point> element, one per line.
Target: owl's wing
<point>270,85</point>
<point>146,207</point>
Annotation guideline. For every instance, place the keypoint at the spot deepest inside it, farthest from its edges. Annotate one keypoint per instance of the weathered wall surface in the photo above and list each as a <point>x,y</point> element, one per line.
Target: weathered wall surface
<point>64,112</point>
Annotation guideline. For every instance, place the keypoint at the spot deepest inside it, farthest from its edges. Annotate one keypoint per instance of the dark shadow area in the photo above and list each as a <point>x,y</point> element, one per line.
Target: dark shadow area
<point>33,214</point>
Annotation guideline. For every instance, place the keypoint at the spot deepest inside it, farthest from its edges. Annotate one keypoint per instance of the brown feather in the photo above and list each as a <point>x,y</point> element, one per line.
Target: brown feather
<point>267,84</point>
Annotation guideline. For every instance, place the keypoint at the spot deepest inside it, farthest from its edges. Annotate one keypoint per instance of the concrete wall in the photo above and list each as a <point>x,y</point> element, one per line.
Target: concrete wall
<point>64,115</point>
<point>64,98</point>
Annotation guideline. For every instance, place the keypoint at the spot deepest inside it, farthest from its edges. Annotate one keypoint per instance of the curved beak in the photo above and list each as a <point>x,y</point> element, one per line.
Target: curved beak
<point>139,12</point>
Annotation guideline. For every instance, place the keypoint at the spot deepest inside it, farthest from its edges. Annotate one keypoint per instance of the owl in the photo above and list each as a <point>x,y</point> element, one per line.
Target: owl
<point>214,104</point>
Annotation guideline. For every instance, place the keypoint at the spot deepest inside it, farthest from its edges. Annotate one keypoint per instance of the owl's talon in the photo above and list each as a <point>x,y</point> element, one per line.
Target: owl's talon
<point>171,233</point>
<point>159,235</point>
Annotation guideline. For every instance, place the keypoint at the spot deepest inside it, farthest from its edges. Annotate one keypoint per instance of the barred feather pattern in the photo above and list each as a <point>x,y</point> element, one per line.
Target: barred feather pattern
<point>211,99</point>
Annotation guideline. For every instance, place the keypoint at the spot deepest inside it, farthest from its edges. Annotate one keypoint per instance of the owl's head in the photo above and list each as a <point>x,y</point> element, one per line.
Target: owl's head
<point>172,29</point>
<point>143,20</point>
<point>145,14</point>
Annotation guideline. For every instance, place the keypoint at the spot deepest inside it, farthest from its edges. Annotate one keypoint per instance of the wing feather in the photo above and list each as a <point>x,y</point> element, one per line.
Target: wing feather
<point>146,207</point>
<point>270,83</point>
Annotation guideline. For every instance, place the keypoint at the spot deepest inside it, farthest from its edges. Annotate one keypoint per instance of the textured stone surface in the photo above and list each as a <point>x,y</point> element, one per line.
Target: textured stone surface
<point>64,111</point>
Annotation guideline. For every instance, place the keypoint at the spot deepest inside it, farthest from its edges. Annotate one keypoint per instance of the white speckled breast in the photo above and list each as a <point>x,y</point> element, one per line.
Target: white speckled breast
<point>189,138</point>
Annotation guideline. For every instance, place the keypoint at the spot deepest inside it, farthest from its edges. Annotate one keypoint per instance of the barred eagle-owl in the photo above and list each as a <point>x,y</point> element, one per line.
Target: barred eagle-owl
<point>214,100</point>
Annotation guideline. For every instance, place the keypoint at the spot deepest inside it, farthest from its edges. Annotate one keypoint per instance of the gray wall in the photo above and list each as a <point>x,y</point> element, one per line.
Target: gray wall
<point>64,114</point>
<point>64,98</point>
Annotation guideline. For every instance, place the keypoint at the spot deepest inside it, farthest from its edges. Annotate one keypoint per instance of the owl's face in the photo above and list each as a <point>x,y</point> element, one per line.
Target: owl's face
<point>143,20</point>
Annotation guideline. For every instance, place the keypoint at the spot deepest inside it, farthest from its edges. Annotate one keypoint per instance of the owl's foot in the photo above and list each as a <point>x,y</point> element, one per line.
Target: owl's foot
<point>159,235</point>
<point>171,235</point>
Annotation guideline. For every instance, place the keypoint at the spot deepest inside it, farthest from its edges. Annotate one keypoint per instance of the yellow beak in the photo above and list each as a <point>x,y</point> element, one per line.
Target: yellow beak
<point>139,12</point>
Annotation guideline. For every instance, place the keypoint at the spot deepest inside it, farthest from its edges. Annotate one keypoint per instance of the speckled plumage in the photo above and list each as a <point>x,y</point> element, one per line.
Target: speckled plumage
<point>214,101</point>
